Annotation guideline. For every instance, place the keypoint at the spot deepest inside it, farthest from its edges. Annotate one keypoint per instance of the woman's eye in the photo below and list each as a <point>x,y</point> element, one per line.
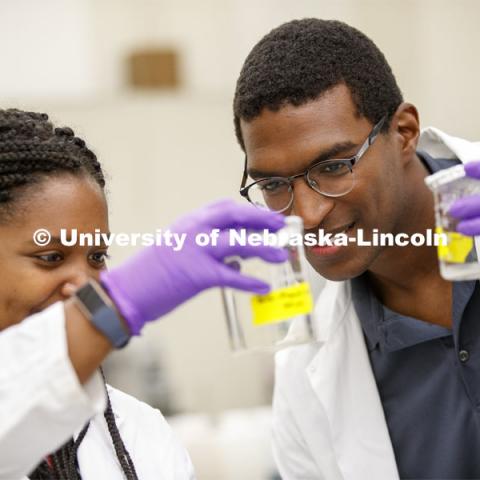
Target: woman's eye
<point>50,257</point>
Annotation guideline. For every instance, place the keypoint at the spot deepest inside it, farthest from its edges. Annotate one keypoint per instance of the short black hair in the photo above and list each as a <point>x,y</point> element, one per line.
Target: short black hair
<point>299,60</point>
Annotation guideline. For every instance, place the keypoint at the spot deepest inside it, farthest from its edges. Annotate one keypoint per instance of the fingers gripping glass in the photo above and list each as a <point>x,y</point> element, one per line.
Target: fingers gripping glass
<point>332,178</point>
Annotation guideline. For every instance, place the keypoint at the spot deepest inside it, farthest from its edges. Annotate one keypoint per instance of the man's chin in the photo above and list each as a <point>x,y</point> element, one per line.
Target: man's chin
<point>338,277</point>
<point>340,271</point>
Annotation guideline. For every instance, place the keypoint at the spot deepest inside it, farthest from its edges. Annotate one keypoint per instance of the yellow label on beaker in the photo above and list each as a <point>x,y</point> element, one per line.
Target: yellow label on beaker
<point>457,249</point>
<point>282,304</point>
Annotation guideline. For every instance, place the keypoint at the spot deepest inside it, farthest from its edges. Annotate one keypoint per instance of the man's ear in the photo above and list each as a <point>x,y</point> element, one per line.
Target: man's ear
<point>405,128</point>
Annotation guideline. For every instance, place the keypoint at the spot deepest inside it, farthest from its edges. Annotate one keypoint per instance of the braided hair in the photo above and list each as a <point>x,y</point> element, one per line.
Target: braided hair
<point>32,149</point>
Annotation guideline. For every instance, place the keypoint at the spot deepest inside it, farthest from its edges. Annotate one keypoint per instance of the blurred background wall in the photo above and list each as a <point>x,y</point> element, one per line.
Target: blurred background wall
<point>169,150</point>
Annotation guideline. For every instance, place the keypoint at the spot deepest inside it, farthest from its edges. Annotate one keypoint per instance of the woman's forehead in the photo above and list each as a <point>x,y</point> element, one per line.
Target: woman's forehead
<point>61,201</point>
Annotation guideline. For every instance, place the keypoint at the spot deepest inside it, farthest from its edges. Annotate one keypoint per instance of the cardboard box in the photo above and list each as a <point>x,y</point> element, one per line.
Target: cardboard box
<point>154,68</point>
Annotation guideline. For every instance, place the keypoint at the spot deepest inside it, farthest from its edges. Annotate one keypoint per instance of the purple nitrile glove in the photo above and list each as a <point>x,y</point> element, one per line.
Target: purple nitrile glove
<point>158,279</point>
<point>467,209</point>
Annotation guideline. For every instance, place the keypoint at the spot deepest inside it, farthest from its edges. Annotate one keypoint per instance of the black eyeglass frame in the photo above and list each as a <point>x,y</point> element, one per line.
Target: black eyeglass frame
<point>350,162</point>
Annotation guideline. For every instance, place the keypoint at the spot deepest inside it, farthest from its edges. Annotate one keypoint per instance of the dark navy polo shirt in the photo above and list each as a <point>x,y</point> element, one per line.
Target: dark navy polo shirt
<point>428,378</point>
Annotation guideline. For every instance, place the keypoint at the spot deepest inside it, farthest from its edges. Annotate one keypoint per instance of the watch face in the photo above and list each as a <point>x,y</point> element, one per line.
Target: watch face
<point>90,298</point>
<point>102,314</point>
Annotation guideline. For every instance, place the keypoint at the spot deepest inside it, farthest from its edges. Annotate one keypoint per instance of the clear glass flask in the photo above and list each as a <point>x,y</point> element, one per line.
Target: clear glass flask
<point>283,316</point>
<point>459,256</point>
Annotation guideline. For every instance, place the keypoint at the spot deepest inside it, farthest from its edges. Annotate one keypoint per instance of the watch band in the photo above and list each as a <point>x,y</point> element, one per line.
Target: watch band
<point>96,305</point>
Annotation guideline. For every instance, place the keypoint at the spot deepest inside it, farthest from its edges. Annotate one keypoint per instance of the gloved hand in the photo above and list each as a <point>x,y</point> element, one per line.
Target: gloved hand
<point>467,209</point>
<point>158,279</point>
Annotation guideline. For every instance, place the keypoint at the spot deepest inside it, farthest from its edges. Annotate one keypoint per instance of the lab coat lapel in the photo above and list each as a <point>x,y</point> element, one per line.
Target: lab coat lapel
<point>342,379</point>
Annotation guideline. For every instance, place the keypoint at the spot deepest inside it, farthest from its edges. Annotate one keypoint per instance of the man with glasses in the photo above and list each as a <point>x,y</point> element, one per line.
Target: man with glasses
<point>392,387</point>
<point>332,178</point>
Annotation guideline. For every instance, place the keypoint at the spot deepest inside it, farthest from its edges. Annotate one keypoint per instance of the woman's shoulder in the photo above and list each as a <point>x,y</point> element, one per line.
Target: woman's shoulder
<point>124,405</point>
<point>135,418</point>
<point>153,446</point>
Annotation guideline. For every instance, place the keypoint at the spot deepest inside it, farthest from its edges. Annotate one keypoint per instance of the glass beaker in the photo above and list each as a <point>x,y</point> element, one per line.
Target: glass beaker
<point>458,257</point>
<point>282,317</point>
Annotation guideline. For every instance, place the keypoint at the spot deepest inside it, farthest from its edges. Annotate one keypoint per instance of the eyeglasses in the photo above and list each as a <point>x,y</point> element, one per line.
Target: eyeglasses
<point>332,178</point>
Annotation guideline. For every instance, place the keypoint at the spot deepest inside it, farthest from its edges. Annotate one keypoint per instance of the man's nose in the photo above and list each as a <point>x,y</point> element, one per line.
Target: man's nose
<point>310,205</point>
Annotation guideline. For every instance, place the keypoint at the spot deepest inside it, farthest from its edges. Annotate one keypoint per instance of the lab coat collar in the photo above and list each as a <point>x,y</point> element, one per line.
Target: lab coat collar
<point>341,377</point>
<point>119,417</point>
<point>438,144</point>
<point>389,330</point>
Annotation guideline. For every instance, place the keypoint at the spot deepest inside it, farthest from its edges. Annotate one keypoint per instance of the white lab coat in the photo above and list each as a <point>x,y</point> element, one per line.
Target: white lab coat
<point>42,404</point>
<point>328,420</point>
<point>154,449</point>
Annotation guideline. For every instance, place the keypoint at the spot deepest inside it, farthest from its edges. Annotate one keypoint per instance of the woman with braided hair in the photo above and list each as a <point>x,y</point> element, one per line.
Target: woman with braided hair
<point>62,312</point>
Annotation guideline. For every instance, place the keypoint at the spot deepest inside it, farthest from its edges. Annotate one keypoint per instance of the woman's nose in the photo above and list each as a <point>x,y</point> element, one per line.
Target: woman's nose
<point>73,283</point>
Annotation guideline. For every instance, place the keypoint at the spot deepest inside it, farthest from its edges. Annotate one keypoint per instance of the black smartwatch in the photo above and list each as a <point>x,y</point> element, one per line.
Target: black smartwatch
<point>96,305</point>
